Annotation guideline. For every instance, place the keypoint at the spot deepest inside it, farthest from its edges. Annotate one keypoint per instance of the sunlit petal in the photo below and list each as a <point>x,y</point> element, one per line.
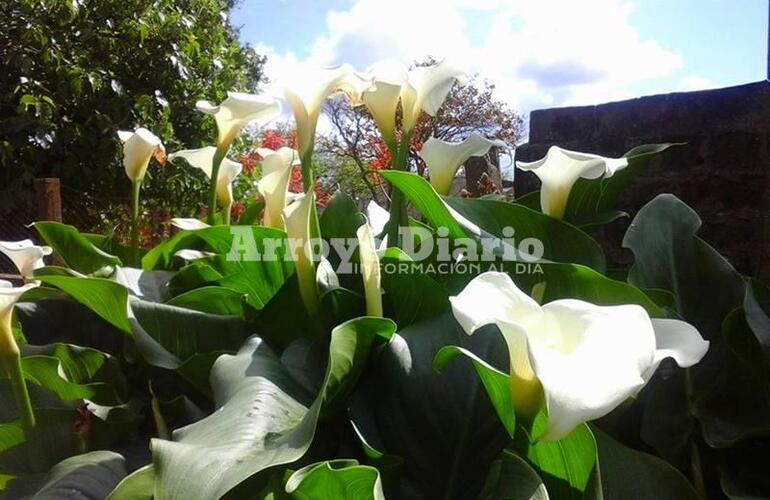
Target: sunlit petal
<point>138,148</point>
<point>370,269</point>
<point>25,255</point>
<point>443,158</point>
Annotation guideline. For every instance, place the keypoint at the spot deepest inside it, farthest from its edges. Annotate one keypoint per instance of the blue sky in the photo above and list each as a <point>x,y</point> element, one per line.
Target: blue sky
<point>539,53</point>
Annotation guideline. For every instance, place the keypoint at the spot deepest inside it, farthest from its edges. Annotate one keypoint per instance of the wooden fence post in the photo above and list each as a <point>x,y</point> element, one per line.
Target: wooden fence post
<point>48,194</point>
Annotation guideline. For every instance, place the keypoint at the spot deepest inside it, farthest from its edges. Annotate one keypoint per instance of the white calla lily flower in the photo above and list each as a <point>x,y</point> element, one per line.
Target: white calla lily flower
<point>443,158</point>
<point>9,295</point>
<point>423,88</point>
<point>370,269</point>
<point>203,159</point>
<point>579,359</point>
<point>560,168</point>
<point>297,218</point>
<point>307,94</point>
<point>237,111</point>
<point>10,356</point>
<point>25,255</point>
<point>139,147</point>
<point>274,185</point>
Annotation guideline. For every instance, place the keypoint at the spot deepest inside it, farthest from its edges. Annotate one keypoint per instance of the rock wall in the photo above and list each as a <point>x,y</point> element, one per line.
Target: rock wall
<point>722,170</point>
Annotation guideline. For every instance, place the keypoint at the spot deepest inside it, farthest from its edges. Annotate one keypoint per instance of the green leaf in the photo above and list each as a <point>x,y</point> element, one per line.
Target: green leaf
<point>264,419</point>
<point>627,473</point>
<point>424,197</point>
<point>341,217</point>
<point>511,478</point>
<point>354,342</point>
<point>212,300</point>
<point>442,425</point>
<point>74,249</point>
<point>250,215</point>
<point>728,396</point>
<point>104,297</point>
<point>568,467</point>
<point>561,241</point>
<point>136,486</point>
<point>496,383</point>
<point>185,332</point>
<point>90,475</point>
<point>414,295</point>
<point>335,480</point>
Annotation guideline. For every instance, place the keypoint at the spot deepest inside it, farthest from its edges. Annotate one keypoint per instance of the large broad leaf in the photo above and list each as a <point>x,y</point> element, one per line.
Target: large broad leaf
<point>496,383</point>
<point>264,418</point>
<point>104,297</point>
<point>442,425</point>
<point>561,242</point>
<point>335,480</point>
<point>670,256</point>
<point>731,399</point>
<point>628,473</point>
<point>341,217</point>
<point>184,332</point>
<point>212,300</point>
<point>414,295</point>
<point>89,476</point>
<point>569,467</point>
<point>425,198</point>
<point>74,249</point>
<point>512,478</point>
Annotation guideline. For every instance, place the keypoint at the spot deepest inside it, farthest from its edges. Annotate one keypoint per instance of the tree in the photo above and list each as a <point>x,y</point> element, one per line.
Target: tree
<point>470,108</point>
<point>76,71</point>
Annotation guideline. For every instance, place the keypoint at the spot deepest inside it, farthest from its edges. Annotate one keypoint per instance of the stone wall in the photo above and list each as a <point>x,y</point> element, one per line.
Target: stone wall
<point>723,170</point>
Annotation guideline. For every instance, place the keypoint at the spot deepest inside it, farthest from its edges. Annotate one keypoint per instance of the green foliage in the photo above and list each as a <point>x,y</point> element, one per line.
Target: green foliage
<point>77,71</point>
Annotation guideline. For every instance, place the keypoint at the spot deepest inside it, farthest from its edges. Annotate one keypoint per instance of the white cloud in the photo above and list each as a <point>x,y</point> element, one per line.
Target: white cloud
<point>693,82</point>
<point>544,53</point>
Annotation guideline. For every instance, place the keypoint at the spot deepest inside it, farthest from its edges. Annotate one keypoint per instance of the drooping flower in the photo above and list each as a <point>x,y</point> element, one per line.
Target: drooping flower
<point>139,147</point>
<point>445,158</point>
<point>306,95</point>
<point>578,359</point>
<point>274,186</point>
<point>237,111</point>
<point>25,255</point>
<point>423,88</point>
<point>370,269</point>
<point>203,159</point>
<point>560,168</point>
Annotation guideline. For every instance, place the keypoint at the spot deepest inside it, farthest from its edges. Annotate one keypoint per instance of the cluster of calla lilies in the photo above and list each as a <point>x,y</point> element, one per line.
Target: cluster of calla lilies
<point>573,359</point>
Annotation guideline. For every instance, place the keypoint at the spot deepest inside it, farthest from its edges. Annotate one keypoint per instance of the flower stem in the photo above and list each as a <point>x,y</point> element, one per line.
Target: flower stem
<point>10,361</point>
<point>226,214</point>
<point>135,188</point>
<point>215,163</point>
<point>398,214</point>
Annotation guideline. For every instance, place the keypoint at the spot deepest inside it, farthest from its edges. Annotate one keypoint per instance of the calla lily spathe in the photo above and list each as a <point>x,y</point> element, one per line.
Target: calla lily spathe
<point>370,269</point>
<point>10,356</point>
<point>306,95</point>
<point>139,147</point>
<point>274,185</point>
<point>443,158</point>
<point>203,159</point>
<point>25,255</point>
<point>579,359</point>
<point>237,111</point>
<point>561,168</point>
<point>297,218</point>
<point>423,88</point>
